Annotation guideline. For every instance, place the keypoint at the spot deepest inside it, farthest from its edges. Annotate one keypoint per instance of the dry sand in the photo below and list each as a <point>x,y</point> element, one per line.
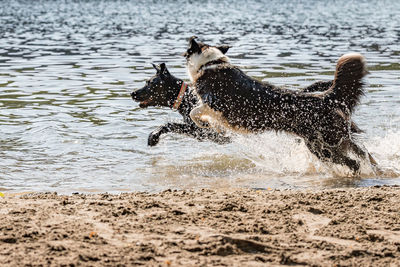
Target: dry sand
<point>357,227</point>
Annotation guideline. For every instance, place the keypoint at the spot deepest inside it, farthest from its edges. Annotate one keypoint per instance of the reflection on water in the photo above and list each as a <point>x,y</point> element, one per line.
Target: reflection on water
<point>67,67</point>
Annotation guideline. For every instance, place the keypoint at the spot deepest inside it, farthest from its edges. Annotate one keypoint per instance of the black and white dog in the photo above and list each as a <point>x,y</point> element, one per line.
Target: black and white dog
<point>165,90</point>
<point>232,100</point>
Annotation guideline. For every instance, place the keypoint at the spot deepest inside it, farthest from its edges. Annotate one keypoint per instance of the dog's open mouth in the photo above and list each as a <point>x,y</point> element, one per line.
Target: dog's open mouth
<point>145,103</point>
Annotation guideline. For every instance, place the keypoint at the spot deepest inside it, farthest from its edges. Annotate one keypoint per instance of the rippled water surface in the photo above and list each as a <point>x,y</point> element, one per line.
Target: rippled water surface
<point>67,122</point>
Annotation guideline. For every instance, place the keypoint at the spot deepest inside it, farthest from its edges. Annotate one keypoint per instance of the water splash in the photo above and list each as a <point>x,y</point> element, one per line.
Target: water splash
<point>386,150</point>
<point>283,154</point>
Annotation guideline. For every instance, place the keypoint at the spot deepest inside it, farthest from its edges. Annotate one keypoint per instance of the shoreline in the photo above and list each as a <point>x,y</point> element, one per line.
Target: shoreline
<point>351,226</point>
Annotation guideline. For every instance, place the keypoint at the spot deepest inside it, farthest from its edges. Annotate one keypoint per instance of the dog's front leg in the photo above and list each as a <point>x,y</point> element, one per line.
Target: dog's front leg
<point>180,128</point>
<point>154,136</point>
<point>197,116</point>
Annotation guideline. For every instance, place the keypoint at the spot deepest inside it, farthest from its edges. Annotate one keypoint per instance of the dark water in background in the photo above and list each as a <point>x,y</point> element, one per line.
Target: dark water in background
<point>67,122</point>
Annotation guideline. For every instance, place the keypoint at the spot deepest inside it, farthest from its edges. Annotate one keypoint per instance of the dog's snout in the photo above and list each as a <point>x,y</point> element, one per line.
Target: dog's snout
<point>136,95</point>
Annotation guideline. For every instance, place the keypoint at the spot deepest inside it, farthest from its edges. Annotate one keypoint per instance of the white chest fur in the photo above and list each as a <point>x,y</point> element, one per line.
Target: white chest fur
<point>206,117</point>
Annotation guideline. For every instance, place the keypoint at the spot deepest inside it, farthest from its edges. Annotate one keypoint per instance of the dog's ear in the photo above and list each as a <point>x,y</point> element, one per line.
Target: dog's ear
<point>163,69</point>
<point>155,66</point>
<point>223,48</point>
<point>193,45</point>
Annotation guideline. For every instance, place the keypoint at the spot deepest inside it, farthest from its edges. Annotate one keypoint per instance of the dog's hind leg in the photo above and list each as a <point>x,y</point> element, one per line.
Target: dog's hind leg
<point>339,158</point>
<point>362,153</point>
<point>365,154</point>
<point>331,154</point>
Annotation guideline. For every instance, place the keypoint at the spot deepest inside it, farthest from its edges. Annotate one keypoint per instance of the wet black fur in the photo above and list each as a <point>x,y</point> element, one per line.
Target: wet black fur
<point>162,90</point>
<point>322,86</point>
<point>321,119</point>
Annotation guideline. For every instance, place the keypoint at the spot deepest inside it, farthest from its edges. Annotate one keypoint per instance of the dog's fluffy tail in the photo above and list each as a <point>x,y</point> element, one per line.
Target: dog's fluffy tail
<point>347,87</point>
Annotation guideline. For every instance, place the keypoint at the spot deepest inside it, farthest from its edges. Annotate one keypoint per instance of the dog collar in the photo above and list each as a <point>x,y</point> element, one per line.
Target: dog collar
<point>179,99</point>
<point>212,64</point>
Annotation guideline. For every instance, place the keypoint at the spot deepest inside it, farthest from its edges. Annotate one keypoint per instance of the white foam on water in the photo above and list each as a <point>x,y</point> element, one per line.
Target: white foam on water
<point>277,154</point>
<point>386,150</point>
<point>280,154</point>
<point>275,160</point>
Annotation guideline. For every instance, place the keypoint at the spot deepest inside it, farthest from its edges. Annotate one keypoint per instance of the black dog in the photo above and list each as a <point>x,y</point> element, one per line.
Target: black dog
<point>165,90</point>
<point>231,99</point>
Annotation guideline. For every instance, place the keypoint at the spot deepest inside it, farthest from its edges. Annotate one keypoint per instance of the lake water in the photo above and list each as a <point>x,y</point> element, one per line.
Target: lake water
<point>67,122</point>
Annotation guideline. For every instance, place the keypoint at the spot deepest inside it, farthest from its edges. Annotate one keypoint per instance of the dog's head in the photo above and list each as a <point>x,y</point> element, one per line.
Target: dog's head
<point>199,54</point>
<point>160,90</point>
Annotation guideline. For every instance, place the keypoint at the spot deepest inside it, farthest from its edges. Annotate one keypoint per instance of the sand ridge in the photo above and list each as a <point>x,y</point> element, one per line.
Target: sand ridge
<point>343,227</point>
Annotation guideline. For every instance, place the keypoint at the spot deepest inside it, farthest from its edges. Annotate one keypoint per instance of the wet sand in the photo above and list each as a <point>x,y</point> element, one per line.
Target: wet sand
<point>358,227</point>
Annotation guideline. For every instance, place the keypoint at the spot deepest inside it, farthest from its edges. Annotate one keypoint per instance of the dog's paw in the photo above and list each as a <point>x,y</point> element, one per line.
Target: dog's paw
<point>223,140</point>
<point>353,165</point>
<point>153,139</point>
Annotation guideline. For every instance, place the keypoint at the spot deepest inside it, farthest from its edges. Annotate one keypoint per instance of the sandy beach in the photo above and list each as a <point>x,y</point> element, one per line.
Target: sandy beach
<point>342,227</point>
